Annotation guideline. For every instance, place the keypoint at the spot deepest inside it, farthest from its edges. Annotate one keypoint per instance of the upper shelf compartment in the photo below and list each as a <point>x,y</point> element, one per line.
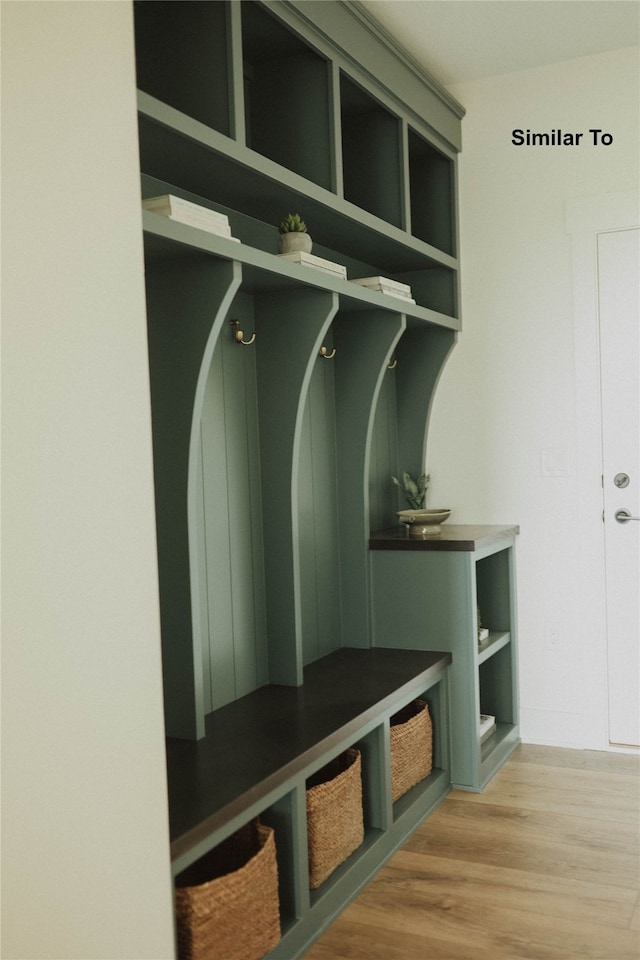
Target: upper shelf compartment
<point>432,191</point>
<point>371,156</point>
<point>286,97</point>
<point>182,58</point>
<point>265,108</point>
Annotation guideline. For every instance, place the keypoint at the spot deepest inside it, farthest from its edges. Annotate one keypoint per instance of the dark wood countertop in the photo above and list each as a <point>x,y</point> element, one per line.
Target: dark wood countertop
<point>258,742</point>
<point>452,537</point>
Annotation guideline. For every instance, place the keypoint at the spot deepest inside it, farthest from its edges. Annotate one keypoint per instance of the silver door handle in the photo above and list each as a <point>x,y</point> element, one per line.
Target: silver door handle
<point>623,516</point>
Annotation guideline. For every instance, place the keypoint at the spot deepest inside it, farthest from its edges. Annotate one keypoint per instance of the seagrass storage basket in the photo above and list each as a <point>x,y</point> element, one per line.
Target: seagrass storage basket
<point>335,824</point>
<point>227,905</point>
<point>411,747</point>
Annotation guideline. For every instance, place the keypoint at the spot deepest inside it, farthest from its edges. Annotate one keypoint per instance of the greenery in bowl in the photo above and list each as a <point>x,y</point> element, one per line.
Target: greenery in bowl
<point>414,491</point>
<point>292,224</point>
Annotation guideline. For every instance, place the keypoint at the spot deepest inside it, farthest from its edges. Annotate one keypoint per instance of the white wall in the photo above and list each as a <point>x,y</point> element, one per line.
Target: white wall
<point>504,416</point>
<point>85,861</point>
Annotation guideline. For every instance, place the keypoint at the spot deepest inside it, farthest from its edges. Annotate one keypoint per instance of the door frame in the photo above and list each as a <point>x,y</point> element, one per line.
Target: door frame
<point>585,218</point>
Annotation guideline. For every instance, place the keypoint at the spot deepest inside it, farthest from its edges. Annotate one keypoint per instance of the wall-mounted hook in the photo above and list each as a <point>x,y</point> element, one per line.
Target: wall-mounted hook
<point>239,334</point>
<point>327,356</point>
<point>393,364</point>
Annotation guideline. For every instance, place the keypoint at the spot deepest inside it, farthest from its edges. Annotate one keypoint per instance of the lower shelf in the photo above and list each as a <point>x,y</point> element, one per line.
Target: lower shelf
<point>262,752</point>
<point>350,878</point>
<point>495,750</point>
<point>258,744</point>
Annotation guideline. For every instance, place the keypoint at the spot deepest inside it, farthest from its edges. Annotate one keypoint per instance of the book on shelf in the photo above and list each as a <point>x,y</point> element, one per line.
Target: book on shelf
<point>487,726</point>
<point>318,263</point>
<point>192,214</point>
<point>483,637</point>
<point>384,283</point>
<point>392,288</point>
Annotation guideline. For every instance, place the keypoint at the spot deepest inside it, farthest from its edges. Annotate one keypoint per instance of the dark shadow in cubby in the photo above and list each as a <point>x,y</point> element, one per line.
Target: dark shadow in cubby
<point>496,687</point>
<point>432,184</point>
<point>371,154</point>
<point>286,91</point>
<point>182,57</point>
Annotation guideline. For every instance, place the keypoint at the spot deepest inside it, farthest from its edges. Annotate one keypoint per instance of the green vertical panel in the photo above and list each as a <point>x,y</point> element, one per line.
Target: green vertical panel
<point>513,628</point>
<point>384,456</point>
<point>289,328</point>
<point>242,461</point>
<point>406,176</point>
<point>325,536</point>
<point>287,816</point>
<point>187,301</point>
<point>235,75</point>
<point>200,534</point>
<point>426,601</point>
<point>261,653</point>
<point>233,512</point>
<point>219,645</point>
<point>306,521</point>
<point>376,778</point>
<point>318,517</point>
<point>335,127</point>
<point>364,343</point>
<point>437,700</point>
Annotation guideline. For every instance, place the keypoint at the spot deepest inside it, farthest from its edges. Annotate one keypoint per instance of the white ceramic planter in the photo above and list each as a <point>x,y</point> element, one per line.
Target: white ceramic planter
<point>294,242</point>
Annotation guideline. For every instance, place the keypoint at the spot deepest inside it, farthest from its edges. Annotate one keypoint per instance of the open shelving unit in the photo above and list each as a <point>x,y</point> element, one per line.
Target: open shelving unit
<point>427,593</point>
<point>272,463</point>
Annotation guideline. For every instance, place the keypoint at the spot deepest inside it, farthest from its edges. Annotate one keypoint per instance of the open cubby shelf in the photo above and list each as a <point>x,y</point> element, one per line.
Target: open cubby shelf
<point>182,58</point>
<point>284,732</point>
<point>264,271</point>
<point>283,76</point>
<point>426,592</point>
<point>371,154</point>
<point>250,96</point>
<point>260,750</point>
<point>257,193</point>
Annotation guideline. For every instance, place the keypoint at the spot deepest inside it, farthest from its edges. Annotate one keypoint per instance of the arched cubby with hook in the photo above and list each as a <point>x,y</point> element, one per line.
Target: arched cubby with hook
<point>298,404</point>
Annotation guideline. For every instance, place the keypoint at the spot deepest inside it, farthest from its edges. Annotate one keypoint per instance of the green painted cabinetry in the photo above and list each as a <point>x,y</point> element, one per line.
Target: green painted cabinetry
<point>426,594</point>
<point>272,462</point>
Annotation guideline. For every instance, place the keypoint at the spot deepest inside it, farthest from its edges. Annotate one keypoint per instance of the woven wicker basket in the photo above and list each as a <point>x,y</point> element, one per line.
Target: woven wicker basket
<point>411,747</point>
<point>335,826</point>
<point>227,904</point>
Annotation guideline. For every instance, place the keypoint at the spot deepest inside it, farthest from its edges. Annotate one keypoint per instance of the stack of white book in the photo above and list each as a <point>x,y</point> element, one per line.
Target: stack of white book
<point>184,211</point>
<point>393,288</point>
<point>487,726</point>
<point>319,263</point>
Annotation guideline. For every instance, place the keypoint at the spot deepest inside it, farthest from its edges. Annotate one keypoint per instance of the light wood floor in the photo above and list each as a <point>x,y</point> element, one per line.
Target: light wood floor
<point>543,865</point>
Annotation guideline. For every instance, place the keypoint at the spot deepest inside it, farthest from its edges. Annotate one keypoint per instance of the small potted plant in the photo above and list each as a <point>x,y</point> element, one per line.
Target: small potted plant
<point>414,491</point>
<point>420,521</point>
<point>293,235</point>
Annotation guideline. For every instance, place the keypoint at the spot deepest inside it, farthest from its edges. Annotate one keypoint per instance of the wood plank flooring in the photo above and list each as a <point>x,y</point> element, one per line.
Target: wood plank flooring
<point>543,865</point>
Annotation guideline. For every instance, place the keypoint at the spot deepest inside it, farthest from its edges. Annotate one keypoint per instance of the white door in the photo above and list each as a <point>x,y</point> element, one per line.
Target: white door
<point>619,319</point>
